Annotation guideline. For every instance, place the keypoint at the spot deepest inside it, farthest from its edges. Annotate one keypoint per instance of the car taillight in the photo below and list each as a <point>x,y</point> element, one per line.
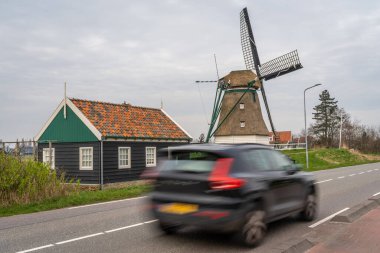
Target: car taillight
<point>219,178</point>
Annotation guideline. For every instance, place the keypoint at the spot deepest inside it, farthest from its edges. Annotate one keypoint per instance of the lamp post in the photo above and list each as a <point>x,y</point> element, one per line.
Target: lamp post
<point>340,130</point>
<point>304,111</point>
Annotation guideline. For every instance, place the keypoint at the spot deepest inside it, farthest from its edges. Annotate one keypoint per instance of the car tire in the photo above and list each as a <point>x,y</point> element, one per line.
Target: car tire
<point>169,228</point>
<point>254,229</point>
<point>309,212</point>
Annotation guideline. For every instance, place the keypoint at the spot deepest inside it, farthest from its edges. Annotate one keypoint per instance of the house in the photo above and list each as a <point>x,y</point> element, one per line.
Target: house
<point>100,142</point>
<point>284,137</point>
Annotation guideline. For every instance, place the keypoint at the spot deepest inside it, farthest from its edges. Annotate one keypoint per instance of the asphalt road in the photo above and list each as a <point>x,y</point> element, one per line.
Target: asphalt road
<point>125,226</point>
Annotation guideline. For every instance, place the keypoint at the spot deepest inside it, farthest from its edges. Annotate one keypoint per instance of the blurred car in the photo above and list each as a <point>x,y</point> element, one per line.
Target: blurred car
<point>238,188</point>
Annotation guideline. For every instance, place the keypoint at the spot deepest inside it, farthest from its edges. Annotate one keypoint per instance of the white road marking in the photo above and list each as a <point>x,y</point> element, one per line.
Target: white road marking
<point>34,249</point>
<point>327,218</point>
<point>79,238</point>
<point>352,175</point>
<point>341,177</point>
<point>108,202</point>
<point>376,194</point>
<point>319,182</point>
<point>361,173</point>
<point>376,169</point>
<point>122,228</point>
<point>86,236</point>
<point>147,222</point>
<point>369,170</point>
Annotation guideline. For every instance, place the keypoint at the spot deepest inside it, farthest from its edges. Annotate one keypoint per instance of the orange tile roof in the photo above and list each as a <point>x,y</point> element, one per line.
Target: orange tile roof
<point>285,136</point>
<point>127,121</point>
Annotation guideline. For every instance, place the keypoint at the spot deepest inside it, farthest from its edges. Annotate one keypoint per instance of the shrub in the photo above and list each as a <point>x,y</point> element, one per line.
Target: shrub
<point>27,181</point>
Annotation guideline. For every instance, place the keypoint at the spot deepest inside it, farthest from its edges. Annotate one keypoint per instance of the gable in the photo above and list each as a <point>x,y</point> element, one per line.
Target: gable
<point>71,129</point>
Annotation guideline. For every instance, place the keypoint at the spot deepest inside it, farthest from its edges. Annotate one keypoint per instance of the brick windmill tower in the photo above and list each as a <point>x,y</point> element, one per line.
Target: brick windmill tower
<point>237,116</point>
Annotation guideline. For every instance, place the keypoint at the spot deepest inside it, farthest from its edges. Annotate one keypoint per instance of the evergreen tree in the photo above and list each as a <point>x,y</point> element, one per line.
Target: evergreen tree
<point>326,118</point>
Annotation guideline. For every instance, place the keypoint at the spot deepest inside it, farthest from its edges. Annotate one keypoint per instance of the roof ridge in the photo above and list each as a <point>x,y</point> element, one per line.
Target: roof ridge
<point>117,104</point>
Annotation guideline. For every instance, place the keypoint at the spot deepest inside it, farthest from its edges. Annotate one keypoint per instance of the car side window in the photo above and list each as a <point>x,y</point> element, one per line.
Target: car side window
<point>259,159</point>
<point>280,161</point>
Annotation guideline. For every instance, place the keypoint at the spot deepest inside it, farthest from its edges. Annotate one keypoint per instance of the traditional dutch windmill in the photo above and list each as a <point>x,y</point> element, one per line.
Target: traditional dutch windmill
<point>237,116</point>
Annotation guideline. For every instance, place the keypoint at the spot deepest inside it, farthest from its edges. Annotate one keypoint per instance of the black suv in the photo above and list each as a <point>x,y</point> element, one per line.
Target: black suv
<point>236,188</point>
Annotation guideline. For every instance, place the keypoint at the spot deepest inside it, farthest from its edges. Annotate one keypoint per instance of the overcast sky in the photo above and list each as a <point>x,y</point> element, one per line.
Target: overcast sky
<point>144,51</point>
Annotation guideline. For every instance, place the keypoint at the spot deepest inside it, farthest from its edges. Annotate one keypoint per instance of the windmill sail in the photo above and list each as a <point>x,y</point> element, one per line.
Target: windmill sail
<point>280,66</point>
<point>251,56</point>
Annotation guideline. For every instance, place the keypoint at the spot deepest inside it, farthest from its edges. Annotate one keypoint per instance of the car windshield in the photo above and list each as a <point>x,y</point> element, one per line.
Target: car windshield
<point>189,161</point>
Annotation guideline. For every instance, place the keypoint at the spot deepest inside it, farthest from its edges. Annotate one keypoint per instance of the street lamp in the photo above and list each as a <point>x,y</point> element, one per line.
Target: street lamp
<point>340,130</point>
<point>304,111</point>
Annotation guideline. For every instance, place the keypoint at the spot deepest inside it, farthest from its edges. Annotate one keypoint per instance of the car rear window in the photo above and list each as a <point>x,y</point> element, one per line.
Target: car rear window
<point>190,161</point>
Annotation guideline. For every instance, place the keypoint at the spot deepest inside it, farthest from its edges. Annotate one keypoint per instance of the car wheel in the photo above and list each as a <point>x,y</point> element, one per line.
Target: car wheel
<point>169,228</point>
<point>254,229</point>
<point>310,210</point>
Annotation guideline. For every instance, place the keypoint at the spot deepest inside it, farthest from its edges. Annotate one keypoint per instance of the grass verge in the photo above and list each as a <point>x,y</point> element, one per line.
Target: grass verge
<point>75,199</point>
<point>321,159</point>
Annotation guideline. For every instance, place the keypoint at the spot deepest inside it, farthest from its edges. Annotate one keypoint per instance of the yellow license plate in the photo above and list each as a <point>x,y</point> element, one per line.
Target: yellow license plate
<point>178,208</point>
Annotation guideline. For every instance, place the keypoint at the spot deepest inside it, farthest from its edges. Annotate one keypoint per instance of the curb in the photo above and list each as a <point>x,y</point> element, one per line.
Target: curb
<point>299,245</point>
<point>376,199</point>
<point>357,211</point>
<point>294,245</point>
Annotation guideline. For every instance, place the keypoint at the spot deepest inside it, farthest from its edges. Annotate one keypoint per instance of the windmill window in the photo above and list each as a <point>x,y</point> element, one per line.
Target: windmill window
<point>150,156</point>
<point>242,124</point>
<point>124,157</point>
<point>241,106</point>
<point>86,158</point>
<point>46,157</point>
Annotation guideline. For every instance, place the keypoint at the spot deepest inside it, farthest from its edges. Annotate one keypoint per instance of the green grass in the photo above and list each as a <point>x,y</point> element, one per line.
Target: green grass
<point>75,199</point>
<point>321,159</point>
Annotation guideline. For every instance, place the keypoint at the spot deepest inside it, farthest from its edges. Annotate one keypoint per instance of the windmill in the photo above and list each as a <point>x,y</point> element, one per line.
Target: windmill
<point>240,87</point>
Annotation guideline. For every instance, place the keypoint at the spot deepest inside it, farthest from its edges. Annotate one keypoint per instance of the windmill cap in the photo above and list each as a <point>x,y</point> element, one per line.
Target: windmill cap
<point>241,78</point>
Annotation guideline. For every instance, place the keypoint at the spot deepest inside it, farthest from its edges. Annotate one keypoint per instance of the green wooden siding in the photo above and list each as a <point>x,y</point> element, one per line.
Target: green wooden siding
<point>71,129</point>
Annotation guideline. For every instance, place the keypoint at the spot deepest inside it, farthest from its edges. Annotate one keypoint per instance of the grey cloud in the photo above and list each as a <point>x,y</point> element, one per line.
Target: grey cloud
<point>143,51</point>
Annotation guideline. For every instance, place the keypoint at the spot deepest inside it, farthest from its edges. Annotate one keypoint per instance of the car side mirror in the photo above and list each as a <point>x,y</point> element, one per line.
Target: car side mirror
<point>294,168</point>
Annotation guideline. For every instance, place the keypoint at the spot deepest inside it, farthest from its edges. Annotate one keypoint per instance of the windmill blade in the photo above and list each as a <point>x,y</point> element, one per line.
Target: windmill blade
<point>280,66</point>
<point>251,57</point>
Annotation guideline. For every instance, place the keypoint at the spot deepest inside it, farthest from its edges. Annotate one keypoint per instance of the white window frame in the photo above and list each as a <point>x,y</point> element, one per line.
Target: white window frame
<point>128,165</point>
<point>154,157</point>
<point>46,154</point>
<point>241,106</point>
<point>242,124</point>
<point>81,167</point>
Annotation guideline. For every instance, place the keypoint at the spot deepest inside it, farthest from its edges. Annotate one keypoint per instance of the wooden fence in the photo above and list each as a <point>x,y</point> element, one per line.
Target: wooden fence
<point>20,148</point>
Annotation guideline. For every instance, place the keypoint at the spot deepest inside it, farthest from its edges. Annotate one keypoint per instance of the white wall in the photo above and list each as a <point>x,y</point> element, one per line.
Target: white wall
<point>242,139</point>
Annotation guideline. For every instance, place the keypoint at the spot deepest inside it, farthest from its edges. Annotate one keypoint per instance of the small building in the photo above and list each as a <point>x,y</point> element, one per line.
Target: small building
<point>106,142</point>
<point>284,137</point>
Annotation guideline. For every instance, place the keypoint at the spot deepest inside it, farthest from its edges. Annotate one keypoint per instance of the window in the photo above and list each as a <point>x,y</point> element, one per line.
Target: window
<point>150,156</point>
<point>259,159</point>
<point>241,106</point>
<point>280,161</point>
<point>242,124</point>
<point>124,157</point>
<point>86,158</point>
<point>46,157</point>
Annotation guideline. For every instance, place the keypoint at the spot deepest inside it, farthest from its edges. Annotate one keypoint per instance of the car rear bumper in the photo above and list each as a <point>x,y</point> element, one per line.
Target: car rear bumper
<point>219,214</point>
